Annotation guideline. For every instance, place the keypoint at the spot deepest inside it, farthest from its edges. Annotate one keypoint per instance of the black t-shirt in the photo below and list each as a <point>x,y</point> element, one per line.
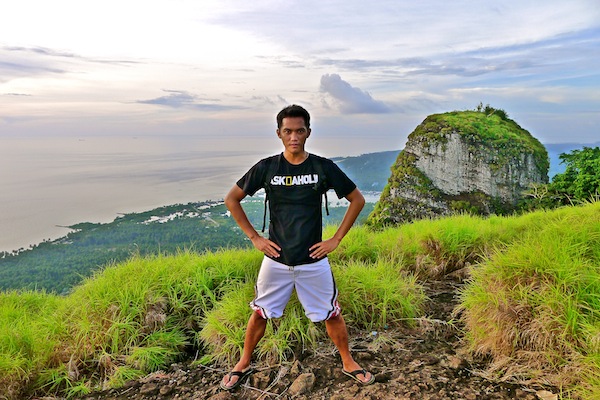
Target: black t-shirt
<point>295,201</point>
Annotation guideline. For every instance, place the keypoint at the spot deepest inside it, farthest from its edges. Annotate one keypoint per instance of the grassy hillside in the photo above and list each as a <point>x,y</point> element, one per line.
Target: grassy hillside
<point>531,306</point>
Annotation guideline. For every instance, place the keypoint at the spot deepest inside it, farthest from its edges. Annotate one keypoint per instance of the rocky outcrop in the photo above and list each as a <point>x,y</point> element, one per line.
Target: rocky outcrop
<point>461,161</point>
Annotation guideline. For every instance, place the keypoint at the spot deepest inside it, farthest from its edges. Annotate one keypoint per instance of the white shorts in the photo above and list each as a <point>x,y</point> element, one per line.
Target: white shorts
<point>314,284</point>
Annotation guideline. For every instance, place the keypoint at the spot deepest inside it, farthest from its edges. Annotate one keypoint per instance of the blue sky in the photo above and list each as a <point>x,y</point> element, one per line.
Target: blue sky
<point>223,68</point>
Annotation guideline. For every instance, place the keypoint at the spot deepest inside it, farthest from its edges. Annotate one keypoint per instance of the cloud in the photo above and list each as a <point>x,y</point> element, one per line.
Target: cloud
<point>19,61</point>
<point>41,51</point>
<point>351,100</point>
<point>44,55</point>
<point>20,68</point>
<point>183,99</point>
<point>268,101</point>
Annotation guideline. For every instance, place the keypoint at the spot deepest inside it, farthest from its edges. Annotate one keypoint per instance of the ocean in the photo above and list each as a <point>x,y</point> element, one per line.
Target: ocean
<point>47,184</point>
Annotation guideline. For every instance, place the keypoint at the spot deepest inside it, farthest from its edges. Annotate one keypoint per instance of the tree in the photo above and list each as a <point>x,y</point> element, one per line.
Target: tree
<point>578,184</point>
<point>489,111</point>
<point>581,180</point>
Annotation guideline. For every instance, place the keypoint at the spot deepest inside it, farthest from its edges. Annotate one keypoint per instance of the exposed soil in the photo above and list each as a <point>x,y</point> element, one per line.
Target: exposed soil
<point>409,363</point>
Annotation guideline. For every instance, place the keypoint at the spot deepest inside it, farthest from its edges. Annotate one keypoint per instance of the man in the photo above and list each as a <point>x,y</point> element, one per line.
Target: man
<point>295,254</point>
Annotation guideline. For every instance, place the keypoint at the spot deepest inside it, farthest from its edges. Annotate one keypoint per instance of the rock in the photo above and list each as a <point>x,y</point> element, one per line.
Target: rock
<point>546,395</point>
<point>166,390</point>
<point>525,395</point>
<point>364,356</point>
<point>296,368</point>
<point>383,377</point>
<point>386,349</point>
<point>149,389</point>
<point>456,362</point>
<point>461,161</point>
<point>260,380</point>
<point>303,384</point>
<point>429,359</point>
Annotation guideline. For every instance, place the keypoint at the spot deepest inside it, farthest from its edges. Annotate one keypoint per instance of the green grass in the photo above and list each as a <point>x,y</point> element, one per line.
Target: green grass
<point>375,295</point>
<point>532,305</point>
<point>535,305</point>
<point>27,337</point>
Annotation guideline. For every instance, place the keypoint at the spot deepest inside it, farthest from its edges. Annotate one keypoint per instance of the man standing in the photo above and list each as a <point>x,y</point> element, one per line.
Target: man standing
<point>295,254</point>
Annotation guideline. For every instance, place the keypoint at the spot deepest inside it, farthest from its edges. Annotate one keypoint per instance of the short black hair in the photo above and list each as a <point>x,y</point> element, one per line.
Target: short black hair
<point>293,110</point>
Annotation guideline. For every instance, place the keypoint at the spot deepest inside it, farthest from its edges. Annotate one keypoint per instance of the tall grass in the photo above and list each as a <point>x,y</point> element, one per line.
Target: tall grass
<point>26,337</point>
<point>375,295</point>
<point>532,304</point>
<point>535,306</point>
<point>127,320</point>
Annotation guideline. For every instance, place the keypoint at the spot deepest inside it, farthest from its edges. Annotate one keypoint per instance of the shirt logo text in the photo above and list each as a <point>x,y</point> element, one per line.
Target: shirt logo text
<point>309,179</point>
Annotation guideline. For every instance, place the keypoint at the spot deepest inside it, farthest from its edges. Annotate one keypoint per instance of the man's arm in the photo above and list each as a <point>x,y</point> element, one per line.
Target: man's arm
<point>233,201</point>
<point>357,202</point>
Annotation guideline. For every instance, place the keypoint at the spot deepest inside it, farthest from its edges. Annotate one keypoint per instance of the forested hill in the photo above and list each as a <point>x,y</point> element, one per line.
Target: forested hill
<point>370,171</point>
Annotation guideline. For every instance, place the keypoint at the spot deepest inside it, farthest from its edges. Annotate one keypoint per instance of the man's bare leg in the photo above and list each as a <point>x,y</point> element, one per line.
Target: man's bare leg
<point>337,331</point>
<point>254,332</point>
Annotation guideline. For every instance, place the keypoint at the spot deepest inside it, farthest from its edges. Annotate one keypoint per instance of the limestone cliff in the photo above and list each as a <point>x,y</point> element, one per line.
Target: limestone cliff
<point>471,161</point>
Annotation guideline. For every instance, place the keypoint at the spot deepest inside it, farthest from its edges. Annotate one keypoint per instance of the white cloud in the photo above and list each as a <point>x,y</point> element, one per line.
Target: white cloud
<point>349,99</point>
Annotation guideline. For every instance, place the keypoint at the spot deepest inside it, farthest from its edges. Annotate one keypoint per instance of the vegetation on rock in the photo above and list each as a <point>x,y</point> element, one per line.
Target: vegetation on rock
<point>499,142</point>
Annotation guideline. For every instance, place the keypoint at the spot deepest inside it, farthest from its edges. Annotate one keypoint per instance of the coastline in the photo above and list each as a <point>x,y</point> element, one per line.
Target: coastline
<point>63,230</point>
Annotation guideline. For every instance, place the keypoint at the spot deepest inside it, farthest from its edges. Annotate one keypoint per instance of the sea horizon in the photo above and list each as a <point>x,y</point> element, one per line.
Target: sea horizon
<point>51,183</point>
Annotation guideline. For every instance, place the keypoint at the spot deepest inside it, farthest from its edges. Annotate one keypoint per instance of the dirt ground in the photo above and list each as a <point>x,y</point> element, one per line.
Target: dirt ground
<point>416,363</point>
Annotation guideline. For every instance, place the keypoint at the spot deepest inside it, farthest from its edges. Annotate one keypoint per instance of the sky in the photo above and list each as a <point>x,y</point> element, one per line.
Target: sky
<point>365,70</point>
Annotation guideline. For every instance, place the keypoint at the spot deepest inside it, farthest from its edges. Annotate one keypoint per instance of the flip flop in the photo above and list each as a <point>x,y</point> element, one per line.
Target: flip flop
<point>354,375</point>
<point>241,376</point>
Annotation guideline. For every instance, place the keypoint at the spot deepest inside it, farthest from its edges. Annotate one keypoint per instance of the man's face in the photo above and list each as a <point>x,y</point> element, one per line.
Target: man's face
<point>293,133</point>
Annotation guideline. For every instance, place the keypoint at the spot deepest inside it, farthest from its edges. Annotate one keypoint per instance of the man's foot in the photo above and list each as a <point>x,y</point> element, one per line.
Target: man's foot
<point>361,376</point>
<point>235,378</point>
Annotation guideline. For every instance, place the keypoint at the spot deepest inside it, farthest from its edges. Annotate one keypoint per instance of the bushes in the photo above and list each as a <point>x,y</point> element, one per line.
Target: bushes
<point>579,184</point>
